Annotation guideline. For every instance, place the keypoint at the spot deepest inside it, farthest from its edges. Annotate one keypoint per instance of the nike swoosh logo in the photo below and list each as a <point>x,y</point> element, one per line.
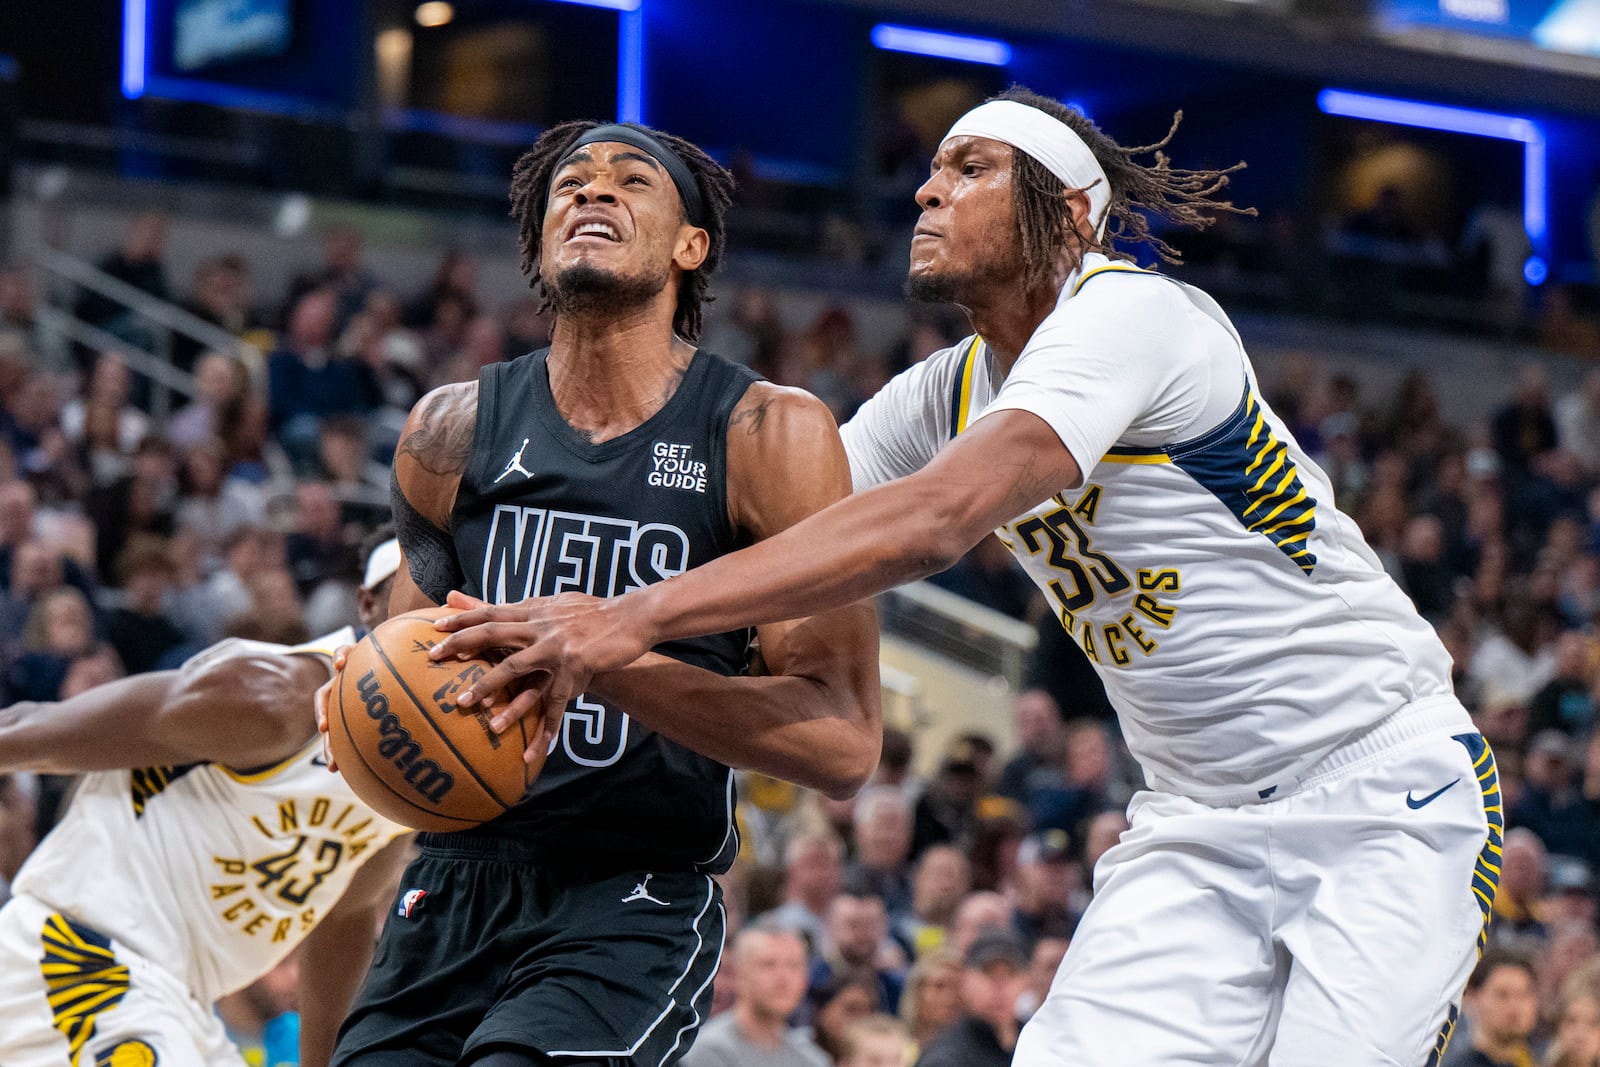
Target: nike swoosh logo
<point>318,761</point>
<point>1414,803</point>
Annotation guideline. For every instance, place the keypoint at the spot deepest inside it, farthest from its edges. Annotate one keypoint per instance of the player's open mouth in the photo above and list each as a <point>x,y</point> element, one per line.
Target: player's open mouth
<point>603,230</point>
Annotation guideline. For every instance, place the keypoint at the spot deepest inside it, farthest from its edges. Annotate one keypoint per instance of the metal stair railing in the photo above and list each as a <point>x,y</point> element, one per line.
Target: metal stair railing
<point>168,320</point>
<point>162,374</point>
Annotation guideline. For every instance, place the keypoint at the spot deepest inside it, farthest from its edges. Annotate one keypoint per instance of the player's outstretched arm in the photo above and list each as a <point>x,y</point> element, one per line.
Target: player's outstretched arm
<point>1005,464</point>
<point>337,952</point>
<point>231,705</point>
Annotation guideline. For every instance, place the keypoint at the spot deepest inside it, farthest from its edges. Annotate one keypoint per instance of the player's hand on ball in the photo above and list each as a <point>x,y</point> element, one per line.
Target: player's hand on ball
<point>559,644</point>
<point>341,656</point>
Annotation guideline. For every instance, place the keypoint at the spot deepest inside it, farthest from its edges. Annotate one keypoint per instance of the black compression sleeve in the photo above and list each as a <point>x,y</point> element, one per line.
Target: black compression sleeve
<point>430,552</point>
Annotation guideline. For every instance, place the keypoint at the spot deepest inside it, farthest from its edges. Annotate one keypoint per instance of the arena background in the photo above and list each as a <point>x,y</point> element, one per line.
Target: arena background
<point>1419,291</point>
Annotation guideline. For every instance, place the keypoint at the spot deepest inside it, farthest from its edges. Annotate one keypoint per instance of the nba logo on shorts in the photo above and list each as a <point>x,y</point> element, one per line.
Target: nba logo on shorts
<point>411,902</point>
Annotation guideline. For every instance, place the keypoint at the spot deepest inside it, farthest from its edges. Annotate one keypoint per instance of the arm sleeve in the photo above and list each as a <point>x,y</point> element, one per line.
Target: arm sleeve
<point>897,431</point>
<point>430,553</point>
<point>1129,359</point>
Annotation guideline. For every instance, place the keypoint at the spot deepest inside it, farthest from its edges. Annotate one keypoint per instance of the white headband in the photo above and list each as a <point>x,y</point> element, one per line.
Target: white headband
<point>382,564</point>
<point>1052,142</point>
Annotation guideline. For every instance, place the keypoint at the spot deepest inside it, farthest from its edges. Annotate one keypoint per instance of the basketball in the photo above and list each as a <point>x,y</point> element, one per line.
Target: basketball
<point>403,745</point>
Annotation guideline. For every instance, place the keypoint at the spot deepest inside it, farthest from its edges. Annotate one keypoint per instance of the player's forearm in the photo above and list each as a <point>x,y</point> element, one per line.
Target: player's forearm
<point>105,728</point>
<point>333,962</point>
<point>807,731</point>
<point>855,549</point>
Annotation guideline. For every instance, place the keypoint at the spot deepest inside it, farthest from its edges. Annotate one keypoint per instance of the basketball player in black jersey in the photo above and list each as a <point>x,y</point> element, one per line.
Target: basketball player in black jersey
<point>583,926</point>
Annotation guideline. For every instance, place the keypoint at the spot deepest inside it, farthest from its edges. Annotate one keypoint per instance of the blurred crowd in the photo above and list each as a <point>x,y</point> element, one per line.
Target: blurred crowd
<point>922,921</point>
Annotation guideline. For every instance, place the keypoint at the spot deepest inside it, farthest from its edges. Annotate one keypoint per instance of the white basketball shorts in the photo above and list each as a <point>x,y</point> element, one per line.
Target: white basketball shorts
<point>70,995</point>
<point>1334,923</point>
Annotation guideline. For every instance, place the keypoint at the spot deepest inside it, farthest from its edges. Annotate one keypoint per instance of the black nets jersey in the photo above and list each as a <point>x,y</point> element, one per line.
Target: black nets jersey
<point>542,510</point>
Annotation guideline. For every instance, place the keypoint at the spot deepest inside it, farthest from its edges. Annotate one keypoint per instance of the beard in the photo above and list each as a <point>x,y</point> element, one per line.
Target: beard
<point>589,290</point>
<point>937,288</point>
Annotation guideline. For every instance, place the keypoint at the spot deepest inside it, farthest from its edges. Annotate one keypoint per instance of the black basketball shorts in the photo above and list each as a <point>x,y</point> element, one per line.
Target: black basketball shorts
<point>483,948</point>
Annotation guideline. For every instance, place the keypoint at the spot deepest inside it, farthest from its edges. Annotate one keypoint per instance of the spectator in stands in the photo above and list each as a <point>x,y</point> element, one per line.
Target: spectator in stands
<point>857,942</point>
<point>1550,804</point>
<point>483,341</point>
<point>220,296</point>
<point>1040,759</point>
<point>1001,828</point>
<point>882,834</point>
<point>750,333</point>
<point>876,1041</point>
<point>213,504</point>
<point>35,570</point>
<point>1576,1041</point>
<point>982,911</point>
<point>19,319</point>
<point>894,762</point>
<point>1047,886</point>
<point>947,810</point>
<point>137,262</point>
<point>247,552</point>
<point>994,976</point>
<point>1524,429</point>
<point>1503,1010</point>
<point>941,880</point>
<point>769,983</point>
<point>1572,944</point>
<point>307,382</point>
<point>20,523</point>
<point>342,272</point>
<point>60,628</point>
<point>321,546</point>
<point>813,868</point>
<point>1524,868</point>
<point>1043,963</point>
<point>932,997</point>
<point>142,502</point>
<point>835,1005</point>
<point>144,637</point>
<point>455,279</point>
<point>1423,572</point>
<point>17,821</point>
<point>221,383</point>
<point>104,424</point>
<point>1577,416</point>
<point>1563,702</point>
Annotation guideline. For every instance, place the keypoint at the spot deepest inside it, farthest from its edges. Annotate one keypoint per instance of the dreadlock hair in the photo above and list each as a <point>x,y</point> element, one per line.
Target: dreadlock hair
<point>530,196</point>
<point>1186,197</point>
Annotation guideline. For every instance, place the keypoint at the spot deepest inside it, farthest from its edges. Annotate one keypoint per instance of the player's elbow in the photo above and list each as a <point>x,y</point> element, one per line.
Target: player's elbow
<point>850,764</point>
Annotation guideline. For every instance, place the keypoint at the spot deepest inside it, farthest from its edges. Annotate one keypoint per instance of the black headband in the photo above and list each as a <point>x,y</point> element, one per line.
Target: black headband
<point>640,138</point>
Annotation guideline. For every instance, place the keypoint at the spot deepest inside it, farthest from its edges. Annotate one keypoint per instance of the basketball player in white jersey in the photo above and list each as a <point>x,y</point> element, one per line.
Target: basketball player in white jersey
<point>1307,878</point>
<point>205,843</point>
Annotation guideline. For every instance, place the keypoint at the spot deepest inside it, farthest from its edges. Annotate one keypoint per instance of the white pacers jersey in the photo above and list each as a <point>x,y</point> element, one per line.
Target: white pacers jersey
<point>216,874</point>
<point>1241,625</point>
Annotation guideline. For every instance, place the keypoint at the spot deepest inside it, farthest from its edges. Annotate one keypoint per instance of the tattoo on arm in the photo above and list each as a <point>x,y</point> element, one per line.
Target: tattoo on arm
<point>443,444</point>
<point>429,551</point>
<point>750,417</point>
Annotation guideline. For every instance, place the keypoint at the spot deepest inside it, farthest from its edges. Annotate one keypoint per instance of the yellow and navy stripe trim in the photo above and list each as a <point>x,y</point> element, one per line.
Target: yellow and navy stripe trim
<point>82,978</point>
<point>1135,455</point>
<point>147,782</point>
<point>1486,871</point>
<point>961,395</point>
<point>1113,268</point>
<point>1244,465</point>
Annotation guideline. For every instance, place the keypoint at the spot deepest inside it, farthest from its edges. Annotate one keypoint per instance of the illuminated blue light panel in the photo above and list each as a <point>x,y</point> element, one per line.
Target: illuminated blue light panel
<point>630,65</point>
<point>1535,191</point>
<point>133,48</point>
<point>614,5</point>
<point>941,45</point>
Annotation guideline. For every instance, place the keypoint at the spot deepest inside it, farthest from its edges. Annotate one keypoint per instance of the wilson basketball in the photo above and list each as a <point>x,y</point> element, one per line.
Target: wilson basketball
<point>404,746</point>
